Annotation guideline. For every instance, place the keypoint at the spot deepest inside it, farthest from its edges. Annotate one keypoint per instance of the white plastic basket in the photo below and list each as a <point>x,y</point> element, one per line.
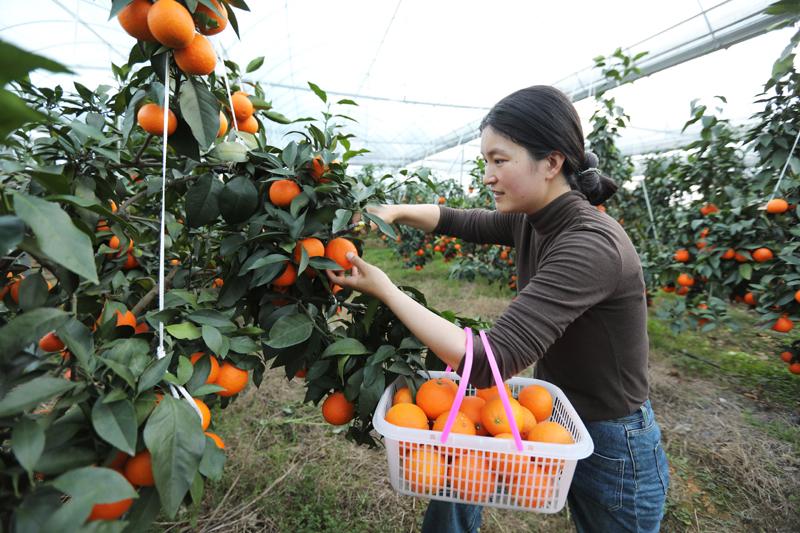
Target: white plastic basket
<point>484,470</point>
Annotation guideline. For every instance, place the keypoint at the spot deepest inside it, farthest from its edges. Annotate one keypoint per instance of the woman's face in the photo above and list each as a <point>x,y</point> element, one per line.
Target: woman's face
<point>520,184</point>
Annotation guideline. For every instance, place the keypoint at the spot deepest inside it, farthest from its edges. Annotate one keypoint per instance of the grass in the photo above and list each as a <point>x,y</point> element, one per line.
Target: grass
<point>728,413</point>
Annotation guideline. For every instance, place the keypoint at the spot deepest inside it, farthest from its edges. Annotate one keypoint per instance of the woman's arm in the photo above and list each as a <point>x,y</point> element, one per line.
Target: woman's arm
<point>422,216</point>
<point>443,338</point>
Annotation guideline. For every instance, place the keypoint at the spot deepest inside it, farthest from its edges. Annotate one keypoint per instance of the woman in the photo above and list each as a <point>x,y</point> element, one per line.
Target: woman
<point>580,314</point>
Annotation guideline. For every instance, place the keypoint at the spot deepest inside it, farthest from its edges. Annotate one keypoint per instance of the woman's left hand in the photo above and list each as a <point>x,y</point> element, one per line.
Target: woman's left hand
<point>363,277</point>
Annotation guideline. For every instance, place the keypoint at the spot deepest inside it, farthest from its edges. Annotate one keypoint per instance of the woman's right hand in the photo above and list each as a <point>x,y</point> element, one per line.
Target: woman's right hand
<point>387,213</point>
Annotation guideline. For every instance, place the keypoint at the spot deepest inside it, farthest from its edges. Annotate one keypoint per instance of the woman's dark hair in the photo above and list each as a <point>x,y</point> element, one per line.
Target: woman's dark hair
<point>542,119</point>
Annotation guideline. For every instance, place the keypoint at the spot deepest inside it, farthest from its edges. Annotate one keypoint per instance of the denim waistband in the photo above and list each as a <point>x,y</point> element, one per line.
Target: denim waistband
<point>643,414</point>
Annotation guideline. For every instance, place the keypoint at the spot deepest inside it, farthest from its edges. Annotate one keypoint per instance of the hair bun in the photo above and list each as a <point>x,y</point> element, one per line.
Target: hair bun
<point>592,183</point>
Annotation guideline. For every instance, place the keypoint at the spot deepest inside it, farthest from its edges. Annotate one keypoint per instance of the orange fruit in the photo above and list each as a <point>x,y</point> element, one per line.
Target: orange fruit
<point>685,280</point>
<point>337,250</point>
<point>797,296</point>
<point>528,421</point>
<point>741,257</point>
<point>301,373</point>
<point>287,277</point>
<point>51,343</point>
<point>14,289</point>
<point>282,192</point>
<point>402,395</point>
<point>223,125</point>
<point>337,410</point>
<point>222,21</point>
<point>425,470</point>
<point>681,291</point>
<point>249,125</point>
<point>232,378</point>
<point>511,463</point>
<point>436,396</point>
<point>197,58</point>
<point>786,356</point>
<point>461,424</point>
<point>407,415</point>
<point>750,299</point>
<point>550,432</point>
<point>127,319</point>
<point>174,262</point>
<point>318,169</point>
<point>217,439</point>
<point>130,262</point>
<point>118,462</point>
<point>471,477</point>
<point>217,283</point>
<point>313,247</point>
<point>171,24</point>
<point>783,325</point>
<point>213,373</point>
<point>442,200</point>
<point>794,368</point>
<point>730,253</point>
<point>133,19</point>
<point>110,511</point>
<point>531,486</point>
<point>494,418</point>
<point>538,400</point>
<point>151,116</point>
<point>242,106</point>
<point>491,393</point>
<point>762,254</point>
<point>775,206</point>
<point>141,327</point>
<point>139,470</point>
<point>471,406</point>
<point>205,412</point>
<point>681,255</point>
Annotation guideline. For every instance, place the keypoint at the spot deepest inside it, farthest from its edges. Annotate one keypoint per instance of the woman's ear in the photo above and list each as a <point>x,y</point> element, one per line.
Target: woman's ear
<point>554,163</point>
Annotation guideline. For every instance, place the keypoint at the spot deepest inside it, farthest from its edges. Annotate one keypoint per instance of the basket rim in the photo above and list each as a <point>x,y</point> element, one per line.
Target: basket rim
<point>582,448</point>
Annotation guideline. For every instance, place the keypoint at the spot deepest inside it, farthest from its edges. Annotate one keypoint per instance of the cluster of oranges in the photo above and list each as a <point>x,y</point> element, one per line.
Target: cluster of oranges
<point>232,379</point>
<point>138,470</point>
<point>791,356</point>
<point>169,23</point>
<point>475,475</point>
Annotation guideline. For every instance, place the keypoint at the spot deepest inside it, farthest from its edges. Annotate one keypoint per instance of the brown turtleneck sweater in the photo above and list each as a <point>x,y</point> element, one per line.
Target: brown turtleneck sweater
<point>580,313</point>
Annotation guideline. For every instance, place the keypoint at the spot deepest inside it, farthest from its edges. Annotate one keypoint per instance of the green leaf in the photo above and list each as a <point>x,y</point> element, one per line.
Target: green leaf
<point>231,152</point>
<point>176,442</point>
<point>324,263</point>
<point>144,511</point>
<point>215,341</point>
<point>33,292</point>
<point>213,461</point>
<point>12,230</point>
<point>185,370</point>
<point>346,346</point>
<point>115,423</point>
<point>290,330</point>
<point>15,113</point>
<point>56,235</point>
<point>200,110</point>
<point>289,154</point>
<point>274,116</point>
<point>341,220</point>
<point>99,485</point>
<point>212,318</point>
<point>28,328</point>
<point>153,374</point>
<point>383,226</point>
<point>319,92</point>
<point>255,64</point>
<point>80,341</point>
<point>238,200</point>
<point>184,331</point>
<point>233,290</point>
<point>202,206</point>
<point>244,345</point>
<point>27,442</point>
<point>16,63</point>
<point>745,270</point>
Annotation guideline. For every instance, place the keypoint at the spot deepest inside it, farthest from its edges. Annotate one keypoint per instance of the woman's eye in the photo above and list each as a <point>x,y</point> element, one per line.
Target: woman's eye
<point>499,161</point>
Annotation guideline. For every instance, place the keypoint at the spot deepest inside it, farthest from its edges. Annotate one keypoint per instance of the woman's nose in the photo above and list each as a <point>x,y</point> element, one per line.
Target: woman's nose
<point>489,178</point>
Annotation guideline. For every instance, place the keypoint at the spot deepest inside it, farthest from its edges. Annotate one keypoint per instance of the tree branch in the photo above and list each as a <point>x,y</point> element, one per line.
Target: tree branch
<point>147,298</point>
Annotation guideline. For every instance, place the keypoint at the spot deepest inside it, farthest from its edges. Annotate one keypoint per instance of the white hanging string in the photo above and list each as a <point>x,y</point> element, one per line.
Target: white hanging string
<point>649,209</point>
<point>227,87</point>
<point>160,352</point>
<point>783,172</point>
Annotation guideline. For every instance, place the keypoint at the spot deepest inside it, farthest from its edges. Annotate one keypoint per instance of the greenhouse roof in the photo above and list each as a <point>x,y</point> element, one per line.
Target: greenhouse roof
<point>425,73</point>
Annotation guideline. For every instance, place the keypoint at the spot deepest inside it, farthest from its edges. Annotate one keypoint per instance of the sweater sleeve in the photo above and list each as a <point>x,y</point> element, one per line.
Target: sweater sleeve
<point>479,226</point>
<point>579,271</point>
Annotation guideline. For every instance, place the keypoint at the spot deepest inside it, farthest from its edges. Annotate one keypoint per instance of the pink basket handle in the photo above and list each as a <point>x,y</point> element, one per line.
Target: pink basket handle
<point>462,388</point>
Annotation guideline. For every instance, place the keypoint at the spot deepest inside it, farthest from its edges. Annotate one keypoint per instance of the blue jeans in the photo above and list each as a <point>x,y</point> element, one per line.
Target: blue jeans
<point>622,486</point>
